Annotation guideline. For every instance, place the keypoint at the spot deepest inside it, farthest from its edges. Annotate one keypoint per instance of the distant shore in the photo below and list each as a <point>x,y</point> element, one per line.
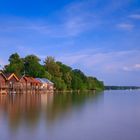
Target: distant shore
<point>121,87</point>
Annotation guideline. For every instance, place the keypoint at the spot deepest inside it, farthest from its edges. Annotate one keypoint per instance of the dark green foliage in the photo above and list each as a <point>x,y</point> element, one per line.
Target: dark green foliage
<point>52,67</point>
<point>16,65</point>
<point>33,67</point>
<point>121,87</point>
<point>93,83</point>
<point>59,83</point>
<point>66,74</point>
<point>63,76</point>
<point>78,80</point>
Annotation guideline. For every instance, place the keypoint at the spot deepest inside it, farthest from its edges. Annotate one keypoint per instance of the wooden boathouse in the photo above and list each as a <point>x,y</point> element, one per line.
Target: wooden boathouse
<point>29,84</point>
<point>3,83</point>
<point>10,84</point>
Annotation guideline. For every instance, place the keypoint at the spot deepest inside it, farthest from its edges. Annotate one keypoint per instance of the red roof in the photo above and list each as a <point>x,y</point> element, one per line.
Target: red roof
<point>31,80</point>
<point>36,81</point>
<point>28,79</point>
<point>10,75</point>
<point>3,75</point>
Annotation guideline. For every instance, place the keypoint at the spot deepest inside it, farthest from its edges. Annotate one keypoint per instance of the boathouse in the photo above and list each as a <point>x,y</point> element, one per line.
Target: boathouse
<point>30,83</point>
<point>3,85</point>
<point>13,85</point>
<point>46,84</point>
<point>12,78</point>
<point>10,83</point>
<point>50,84</point>
<point>35,83</point>
<point>23,82</point>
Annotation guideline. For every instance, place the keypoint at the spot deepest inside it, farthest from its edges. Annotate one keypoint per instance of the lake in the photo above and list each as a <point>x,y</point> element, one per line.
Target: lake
<point>109,115</point>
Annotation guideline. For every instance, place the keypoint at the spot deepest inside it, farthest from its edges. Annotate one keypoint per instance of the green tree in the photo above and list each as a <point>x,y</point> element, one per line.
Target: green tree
<point>66,74</point>
<point>52,67</point>
<point>62,75</point>
<point>59,83</point>
<point>16,65</point>
<point>79,80</point>
<point>33,67</point>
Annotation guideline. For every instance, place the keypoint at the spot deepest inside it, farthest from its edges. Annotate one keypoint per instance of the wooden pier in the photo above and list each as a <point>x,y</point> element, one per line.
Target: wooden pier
<point>20,89</point>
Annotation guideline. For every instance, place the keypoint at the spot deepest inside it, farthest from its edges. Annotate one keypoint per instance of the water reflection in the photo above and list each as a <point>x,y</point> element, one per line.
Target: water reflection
<point>112,115</point>
<point>28,109</point>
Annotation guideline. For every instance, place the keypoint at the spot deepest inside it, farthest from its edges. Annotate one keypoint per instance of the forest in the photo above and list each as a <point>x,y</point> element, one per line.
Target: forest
<point>63,76</point>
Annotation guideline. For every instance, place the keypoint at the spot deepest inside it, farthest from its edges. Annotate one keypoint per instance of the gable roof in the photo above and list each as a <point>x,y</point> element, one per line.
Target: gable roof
<point>31,79</point>
<point>40,80</point>
<point>3,75</point>
<point>47,81</point>
<point>10,75</point>
<point>44,80</point>
<point>34,80</point>
<point>28,79</point>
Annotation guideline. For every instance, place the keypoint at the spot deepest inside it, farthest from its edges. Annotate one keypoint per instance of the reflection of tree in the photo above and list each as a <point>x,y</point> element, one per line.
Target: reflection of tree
<point>66,102</point>
<point>21,108</point>
<point>28,108</point>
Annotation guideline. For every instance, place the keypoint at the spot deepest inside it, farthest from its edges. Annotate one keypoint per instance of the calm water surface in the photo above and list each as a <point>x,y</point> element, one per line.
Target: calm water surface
<point>110,115</point>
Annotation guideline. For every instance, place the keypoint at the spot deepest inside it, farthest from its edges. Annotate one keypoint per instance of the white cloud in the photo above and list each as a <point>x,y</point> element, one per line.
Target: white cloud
<point>135,67</point>
<point>135,16</point>
<point>125,26</point>
<point>71,26</point>
<point>108,62</point>
<point>71,20</point>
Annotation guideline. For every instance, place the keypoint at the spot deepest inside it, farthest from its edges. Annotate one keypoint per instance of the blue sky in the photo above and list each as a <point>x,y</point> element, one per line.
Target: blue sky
<point>100,37</point>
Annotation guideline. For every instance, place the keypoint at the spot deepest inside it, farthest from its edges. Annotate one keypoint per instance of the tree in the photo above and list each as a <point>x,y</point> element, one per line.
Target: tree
<point>33,67</point>
<point>59,83</point>
<point>52,67</point>
<point>16,65</point>
<point>62,75</point>
<point>79,80</point>
<point>66,74</point>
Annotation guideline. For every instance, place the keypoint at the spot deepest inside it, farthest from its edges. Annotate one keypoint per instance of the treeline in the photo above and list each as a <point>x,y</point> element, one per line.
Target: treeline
<point>63,76</point>
<point>121,87</point>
